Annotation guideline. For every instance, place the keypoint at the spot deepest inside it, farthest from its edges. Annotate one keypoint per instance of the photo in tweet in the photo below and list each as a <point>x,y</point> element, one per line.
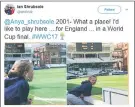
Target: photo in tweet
<point>97,73</point>
<point>35,73</point>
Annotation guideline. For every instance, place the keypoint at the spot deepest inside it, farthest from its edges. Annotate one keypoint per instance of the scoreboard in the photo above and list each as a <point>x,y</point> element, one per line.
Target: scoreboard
<point>88,47</point>
<point>14,48</point>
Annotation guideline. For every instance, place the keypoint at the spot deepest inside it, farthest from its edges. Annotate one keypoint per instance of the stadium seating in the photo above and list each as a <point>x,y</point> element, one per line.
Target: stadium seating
<point>55,65</point>
<point>92,60</point>
<point>93,71</point>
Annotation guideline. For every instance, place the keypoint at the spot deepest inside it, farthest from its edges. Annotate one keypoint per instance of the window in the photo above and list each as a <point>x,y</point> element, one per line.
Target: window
<point>16,55</point>
<point>26,55</point>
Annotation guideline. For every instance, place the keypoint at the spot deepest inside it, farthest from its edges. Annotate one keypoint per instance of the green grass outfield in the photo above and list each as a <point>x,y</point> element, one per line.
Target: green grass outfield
<point>51,84</point>
<point>115,81</point>
<point>47,84</point>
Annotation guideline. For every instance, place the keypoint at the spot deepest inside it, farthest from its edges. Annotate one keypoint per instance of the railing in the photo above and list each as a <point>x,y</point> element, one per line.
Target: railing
<point>17,58</point>
<point>115,96</point>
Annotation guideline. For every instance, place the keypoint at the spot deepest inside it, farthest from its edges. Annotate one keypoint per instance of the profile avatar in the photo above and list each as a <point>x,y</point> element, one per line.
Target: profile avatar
<point>9,9</point>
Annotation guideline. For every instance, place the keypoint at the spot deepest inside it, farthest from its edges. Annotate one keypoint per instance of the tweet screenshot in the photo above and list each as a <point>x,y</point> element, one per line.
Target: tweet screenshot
<point>67,53</point>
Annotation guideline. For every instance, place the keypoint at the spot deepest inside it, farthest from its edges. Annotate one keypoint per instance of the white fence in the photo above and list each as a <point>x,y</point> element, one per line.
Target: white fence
<point>115,96</point>
<point>56,65</point>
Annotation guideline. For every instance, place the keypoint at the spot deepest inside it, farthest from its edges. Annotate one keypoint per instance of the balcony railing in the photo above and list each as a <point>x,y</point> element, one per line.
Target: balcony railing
<point>17,58</point>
